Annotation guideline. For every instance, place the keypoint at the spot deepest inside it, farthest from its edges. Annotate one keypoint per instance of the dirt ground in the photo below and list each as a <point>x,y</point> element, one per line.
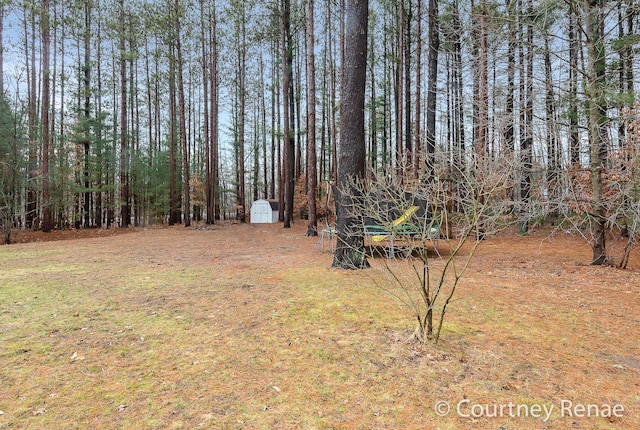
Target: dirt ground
<point>531,323</point>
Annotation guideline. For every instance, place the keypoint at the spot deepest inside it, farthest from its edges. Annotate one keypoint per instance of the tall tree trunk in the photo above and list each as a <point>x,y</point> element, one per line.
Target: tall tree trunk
<point>209,211</point>
<point>373,103</point>
<point>86,69</point>
<point>511,68</point>
<point>293,116</point>
<point>526,115</point>
<point>596,66</point>
<point>399,84</point>
<point>417,146</point>
<point>125,207</point>
<point>186,177</point>
<point>387,151</point>
<point>351,165</point>
<point>572,111</point>
<point>289,141</point>
<point>174,204</point>
<point>460,140</point>
<point>333,134</point>
<point>622,128</point>
<point>113,158</point>
<point>407,86</point>
<point>100,125</point>
<point>212,182</point>
<point>46,77</point>
<point>278,53</point>
<point>434,47</point>
<point>61,129</point>
<point>263,131</point>
<point>274,125</point>
<point>32,166</point>
<point>134,124</point>
<point>527,143</point>
<point>480,88</point>
<point>552,141</point>
<point>255,174</point>
<point>324,119</point>
<point>296,100</point>
<point>456,105</point>
<point>312,178</point>
<point>241,202</point>
<point>480,76</point>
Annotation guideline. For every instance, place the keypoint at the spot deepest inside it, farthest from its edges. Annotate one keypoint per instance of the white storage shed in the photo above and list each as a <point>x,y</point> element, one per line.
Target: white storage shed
<point>264,211</point>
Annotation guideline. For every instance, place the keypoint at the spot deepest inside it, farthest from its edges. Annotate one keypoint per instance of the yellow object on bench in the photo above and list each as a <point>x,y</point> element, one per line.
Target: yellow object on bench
<point>397,222</point>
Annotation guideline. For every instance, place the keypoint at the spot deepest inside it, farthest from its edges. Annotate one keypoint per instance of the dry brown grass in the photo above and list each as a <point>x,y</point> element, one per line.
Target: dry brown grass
<point>246,326</point>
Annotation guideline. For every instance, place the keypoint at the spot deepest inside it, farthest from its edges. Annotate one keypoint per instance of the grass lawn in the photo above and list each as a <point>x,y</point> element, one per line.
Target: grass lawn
<point>248,327</point>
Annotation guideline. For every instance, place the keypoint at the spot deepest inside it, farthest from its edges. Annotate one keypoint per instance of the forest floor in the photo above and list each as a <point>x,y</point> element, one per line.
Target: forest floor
<point>248,327</point>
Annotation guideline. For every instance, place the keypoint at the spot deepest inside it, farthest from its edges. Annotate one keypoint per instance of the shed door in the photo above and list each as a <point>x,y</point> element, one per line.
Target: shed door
<point>261,212</point>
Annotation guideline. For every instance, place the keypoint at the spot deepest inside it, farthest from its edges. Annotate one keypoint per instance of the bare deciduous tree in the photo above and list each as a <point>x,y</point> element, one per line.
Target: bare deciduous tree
<point>407,221</point>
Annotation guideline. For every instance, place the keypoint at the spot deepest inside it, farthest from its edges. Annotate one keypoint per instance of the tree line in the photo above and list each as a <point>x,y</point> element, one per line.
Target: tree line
<point>120,112</point>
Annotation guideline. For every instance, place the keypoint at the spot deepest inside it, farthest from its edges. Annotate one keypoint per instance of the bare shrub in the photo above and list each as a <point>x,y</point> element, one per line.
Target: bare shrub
<point>431,230</point>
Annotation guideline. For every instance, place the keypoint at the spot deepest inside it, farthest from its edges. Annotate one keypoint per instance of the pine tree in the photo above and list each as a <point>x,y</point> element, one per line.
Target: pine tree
<point>351,164</point>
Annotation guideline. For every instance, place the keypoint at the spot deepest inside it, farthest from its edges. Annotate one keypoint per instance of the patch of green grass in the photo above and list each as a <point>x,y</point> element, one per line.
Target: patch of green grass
<point>10,254</point>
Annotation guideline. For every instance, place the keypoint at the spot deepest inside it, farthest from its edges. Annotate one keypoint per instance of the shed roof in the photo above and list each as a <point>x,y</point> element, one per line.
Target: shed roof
<point>274,204</point>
